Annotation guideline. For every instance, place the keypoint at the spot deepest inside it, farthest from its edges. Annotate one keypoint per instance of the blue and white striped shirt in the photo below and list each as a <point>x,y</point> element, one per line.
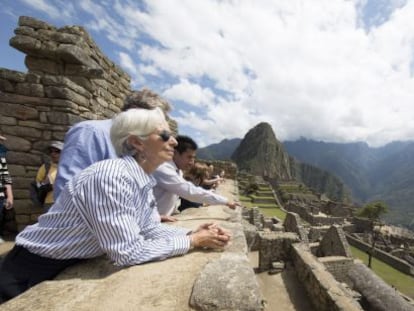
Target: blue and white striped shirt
<point>108,208</point>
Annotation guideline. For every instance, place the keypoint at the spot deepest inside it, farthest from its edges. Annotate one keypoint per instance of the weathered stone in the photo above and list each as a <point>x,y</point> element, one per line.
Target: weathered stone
<point>25,44</point>
<point>83,82</point>
<point>32,78</point>
<point>73,119</point>
<point>292,223</point>
<point>43,65</point>
<point>12,75</point>
<point>379,295</point>
<point>75,55</point>
<point>59,135</point>
<point>63,81</point>
<point>22,219</point>
<point>72,69</point>
<point>57,117</point>
<point>275,246</point>
<point>229,276</point>
<point>20,194</point>
<point>334,243</point>
<point>66,93</point>
<point>17,143</point>
<point>22,131</point>
<point>18,111</point>
<point>76,30</point>
<point>6,86</point>
<point>66,38</point>
<point>20,158</point>
<point>30,89</point>
<point>250,233</point>
<point>26,31</point>
<point>48,50</point>
<point>24,206</point>
<point>17,170</point>
<point>34,23</point>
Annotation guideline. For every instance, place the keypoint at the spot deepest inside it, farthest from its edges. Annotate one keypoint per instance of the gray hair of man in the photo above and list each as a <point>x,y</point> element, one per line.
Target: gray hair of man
<point>147,99</point>
<point>137,122</point>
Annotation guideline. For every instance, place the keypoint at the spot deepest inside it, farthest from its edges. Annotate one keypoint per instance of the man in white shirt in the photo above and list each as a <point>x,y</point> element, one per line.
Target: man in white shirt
<point>171,185</point>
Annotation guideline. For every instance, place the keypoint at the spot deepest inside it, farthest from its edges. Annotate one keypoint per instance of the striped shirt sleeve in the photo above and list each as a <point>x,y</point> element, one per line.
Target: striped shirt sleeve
<point>119,214</point>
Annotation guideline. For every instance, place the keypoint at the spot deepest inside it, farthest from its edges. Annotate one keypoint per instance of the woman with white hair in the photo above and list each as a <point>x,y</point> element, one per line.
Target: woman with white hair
<point>108,208</point>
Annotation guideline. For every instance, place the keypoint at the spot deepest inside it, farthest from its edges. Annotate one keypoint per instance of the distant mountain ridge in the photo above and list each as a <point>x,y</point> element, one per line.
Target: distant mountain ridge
<point>385,173</point>
<point>260,153</point>
<point>221,151</point>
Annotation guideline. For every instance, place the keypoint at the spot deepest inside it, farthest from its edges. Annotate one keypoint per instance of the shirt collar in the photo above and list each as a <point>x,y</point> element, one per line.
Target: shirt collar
<point>142,178</point>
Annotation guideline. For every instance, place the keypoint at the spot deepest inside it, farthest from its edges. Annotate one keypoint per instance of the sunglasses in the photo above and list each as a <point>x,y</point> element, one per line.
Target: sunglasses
<point>165,135</point>
<point>52,150</point>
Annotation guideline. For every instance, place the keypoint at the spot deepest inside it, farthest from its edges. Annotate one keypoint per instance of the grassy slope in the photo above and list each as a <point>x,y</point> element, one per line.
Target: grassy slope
<point>268,210</point>
<point>403,282</point>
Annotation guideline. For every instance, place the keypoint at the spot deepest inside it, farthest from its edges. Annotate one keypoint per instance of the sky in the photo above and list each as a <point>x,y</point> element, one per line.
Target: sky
<point>327,70</point>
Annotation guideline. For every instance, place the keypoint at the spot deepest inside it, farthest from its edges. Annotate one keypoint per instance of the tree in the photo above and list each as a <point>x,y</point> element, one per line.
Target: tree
<point>373,211</point>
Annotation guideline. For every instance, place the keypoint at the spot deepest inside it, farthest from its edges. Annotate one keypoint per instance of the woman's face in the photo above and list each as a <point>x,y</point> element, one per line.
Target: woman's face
<point>54,154</point>
<point>159,146</point>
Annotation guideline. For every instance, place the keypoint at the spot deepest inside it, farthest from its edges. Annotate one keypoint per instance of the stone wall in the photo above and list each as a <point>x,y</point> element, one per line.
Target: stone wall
<point>338,266</point>
<point>395,262</point>
<point>68,80</point>
<point>304,212</point>
<point>323,290</point>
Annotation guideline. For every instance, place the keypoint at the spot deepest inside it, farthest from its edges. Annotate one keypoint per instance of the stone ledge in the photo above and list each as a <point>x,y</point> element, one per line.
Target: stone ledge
<point>165,285</point>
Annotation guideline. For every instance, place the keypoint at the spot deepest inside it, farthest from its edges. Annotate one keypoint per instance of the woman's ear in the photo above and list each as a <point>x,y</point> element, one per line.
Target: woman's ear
<point>135,143</point>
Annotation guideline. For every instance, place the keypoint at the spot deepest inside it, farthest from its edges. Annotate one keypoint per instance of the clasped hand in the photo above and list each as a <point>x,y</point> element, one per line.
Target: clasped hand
<point>210,235</point>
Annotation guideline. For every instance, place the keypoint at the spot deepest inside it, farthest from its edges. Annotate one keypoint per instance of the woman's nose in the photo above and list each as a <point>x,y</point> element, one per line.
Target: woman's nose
<point>173,141</point>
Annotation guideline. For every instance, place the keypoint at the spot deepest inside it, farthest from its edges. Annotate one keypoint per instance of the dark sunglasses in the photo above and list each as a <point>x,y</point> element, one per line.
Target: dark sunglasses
<point>52,150</point>
<point>165,135</point>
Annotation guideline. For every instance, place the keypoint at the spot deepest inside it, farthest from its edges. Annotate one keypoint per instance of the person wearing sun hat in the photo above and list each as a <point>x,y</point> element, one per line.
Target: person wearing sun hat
<point>46,174</point>
<point>6,191</point>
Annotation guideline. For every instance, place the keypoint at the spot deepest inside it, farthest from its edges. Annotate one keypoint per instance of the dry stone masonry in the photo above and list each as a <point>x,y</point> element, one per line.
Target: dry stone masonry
<point>68,80</point>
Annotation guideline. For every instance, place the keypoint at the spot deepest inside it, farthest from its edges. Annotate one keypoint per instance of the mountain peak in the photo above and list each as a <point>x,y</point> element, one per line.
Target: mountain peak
<point>260,153</point>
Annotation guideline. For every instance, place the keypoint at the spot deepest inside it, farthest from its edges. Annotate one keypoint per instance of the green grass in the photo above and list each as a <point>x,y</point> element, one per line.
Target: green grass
<point>272,211</point>
<point>268,210</point>
<point>403,282</point>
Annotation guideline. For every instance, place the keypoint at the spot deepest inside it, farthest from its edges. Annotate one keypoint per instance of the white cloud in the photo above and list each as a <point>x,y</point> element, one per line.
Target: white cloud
<point>127,63</point>
<point>333,70</point>
<point>58,10</point>
<point>191,93</point>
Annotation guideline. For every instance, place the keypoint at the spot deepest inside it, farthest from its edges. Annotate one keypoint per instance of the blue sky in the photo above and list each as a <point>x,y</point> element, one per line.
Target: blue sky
<point>330,70</point>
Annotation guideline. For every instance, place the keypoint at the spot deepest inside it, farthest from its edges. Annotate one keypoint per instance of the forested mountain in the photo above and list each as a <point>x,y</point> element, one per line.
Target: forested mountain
<point>385,173</point>
<point>260,153</point>
<point>221,151</point>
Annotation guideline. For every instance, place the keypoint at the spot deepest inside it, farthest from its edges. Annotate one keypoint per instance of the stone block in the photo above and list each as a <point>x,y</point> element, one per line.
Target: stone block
<point>23,158</point>
<point>21,112</point>
<point>7,120</point>
<point>25,44</point>
<point>18,143</point>
<point>12,75</point>
<point>227,283</point>
<point>34,23</point>
<point>6,86</point>
<point>44,65</point>
<point>334,243</point>
<point>30,89</point>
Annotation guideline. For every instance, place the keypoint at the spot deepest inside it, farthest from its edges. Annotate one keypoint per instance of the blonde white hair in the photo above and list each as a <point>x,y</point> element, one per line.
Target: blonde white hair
<point>137,122</point>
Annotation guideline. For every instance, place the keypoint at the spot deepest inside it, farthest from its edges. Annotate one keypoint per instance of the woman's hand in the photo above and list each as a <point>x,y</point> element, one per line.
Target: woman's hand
<point>210,235</point>
<point>165,218</point>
